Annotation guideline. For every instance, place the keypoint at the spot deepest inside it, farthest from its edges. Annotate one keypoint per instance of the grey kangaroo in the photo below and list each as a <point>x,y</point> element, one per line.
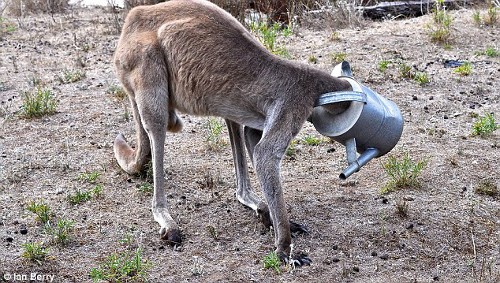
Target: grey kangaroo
<point>193,57</point>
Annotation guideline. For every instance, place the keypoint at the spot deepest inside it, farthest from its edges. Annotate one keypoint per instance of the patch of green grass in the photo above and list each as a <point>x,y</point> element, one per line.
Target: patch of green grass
<point>272,261</point>
<point>61,231</point>
<point>334,36</point>
<point>117,92</point>
<point>485,125</point>
<point>214,129</point>
<point>311,140</point>
<point>38,103</point>
<point>41,210</point>
<point>464,70</point>
<point>421,77</point>
<point>490,52</point>
<point>6,27</point>
<point>491,16</point>
<point>406,71</point>
<point>476,17</point>
<point>34,252</point>
<point>122,267</point>
<point>487,187</point>
<point>402,173</point>
<point>145,188</point>
<point>338,57</point>
<point>89,177</point>
<point>212,231</point>
<point>79,197</point>
<point>312,59</point>
<point>83,196</point>
<point>71,76</point>
<point>268,35</point>
<point>291,150</point>
<point>440,29</point>
<point>383,65</point>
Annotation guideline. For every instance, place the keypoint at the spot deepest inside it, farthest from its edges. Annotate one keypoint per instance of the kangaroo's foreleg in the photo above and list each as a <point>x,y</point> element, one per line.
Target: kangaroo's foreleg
<point>267,155</point>
<point>252,137</point>
<point>244,193</point>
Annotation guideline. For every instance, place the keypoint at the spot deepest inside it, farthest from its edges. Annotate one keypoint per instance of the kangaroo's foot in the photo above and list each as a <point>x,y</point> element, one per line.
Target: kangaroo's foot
<point>300,259</point>
<point>295,228</point>
<point>168,228</point>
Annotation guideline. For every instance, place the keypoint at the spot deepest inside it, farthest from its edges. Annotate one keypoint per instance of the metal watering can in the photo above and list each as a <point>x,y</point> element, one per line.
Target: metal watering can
<point>372,125</point>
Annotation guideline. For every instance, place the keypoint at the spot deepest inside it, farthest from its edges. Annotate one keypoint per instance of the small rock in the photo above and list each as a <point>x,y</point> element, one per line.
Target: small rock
<point>355,269</point>
<point>374,253</point>
<point>9,239</point>
<point>431,97</point>
<point>335,259</point>
<point>409,226</point>
<point>435,278</point>
<point>414,97</point>
<point>335,247</point>
<point>384,257</point>
<point>385,200</point>
<point>445,116</point>
<point>426,108</point>
<point>23,230</point>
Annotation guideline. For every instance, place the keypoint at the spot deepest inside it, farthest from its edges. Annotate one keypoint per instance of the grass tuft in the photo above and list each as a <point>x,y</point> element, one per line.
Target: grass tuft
<point>268,35</point>
<point>272,261</point>
<point>440,28</point>
<point>214,129</point>
<point>61,231</point>
<point>464,70</point>
<point>487,187</point>
<point>38,103</point>
<point>41,210</point>
<point>71,76</point>
<point>403,173</point>
<point>34,252</point>
<point>484,126</point>
<point>122,267</point>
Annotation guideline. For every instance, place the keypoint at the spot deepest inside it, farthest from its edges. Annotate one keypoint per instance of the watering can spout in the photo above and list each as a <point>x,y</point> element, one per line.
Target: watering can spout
<point>354,166</point>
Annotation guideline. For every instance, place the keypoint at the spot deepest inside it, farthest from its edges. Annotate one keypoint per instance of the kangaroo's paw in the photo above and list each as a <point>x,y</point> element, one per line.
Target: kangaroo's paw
<point>298,229</point>
<point>172,236</point>
<point>295,260</point>
<point>169,230</point>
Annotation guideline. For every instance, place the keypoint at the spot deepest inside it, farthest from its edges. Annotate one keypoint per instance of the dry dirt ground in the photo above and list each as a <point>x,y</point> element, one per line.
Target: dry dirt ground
<point>450,232</point>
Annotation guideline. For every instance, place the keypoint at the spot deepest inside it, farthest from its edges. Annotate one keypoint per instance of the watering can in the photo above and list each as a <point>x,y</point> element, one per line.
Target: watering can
<point>371,125</point>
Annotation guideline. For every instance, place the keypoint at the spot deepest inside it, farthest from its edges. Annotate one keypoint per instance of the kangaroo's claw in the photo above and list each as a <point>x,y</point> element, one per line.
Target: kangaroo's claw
<point>297,229</point>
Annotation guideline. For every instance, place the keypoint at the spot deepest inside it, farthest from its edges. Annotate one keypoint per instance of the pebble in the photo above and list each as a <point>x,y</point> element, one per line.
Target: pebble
<point>384,257</point>
<point>335,259</point>
<point>9,239</point>
<point>374,253</point>
<point>355,269</point>
<point>23,230</point>
<point>409,226</point>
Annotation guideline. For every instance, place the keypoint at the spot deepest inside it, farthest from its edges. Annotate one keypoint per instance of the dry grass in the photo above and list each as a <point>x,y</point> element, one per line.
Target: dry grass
<point>26,7</point>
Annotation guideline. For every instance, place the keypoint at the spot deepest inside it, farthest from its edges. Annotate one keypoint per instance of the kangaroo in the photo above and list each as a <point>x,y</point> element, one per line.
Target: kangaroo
<point>193,57</point>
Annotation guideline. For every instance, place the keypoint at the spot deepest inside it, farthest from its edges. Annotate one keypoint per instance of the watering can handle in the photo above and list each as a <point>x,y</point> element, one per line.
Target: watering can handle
<point>340,96</point>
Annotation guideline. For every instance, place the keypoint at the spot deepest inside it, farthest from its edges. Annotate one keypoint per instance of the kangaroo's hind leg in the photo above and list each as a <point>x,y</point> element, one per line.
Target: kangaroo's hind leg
<point>147,83</point>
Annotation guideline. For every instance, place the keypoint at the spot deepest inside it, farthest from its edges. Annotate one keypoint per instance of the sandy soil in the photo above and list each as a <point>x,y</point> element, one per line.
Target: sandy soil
<point>450,232</point>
